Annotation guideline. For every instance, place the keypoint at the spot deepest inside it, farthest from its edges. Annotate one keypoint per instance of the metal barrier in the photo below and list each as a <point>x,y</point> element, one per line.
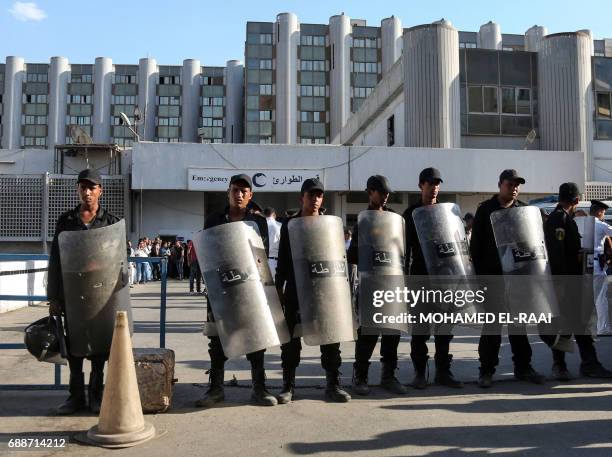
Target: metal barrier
<point>163,261</point>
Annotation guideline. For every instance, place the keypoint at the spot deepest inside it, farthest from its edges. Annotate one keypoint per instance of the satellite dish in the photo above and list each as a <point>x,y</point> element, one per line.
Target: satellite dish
<point>137,114</point>
<point>124,120</point>
<point>530,138</point>
<point>79,136</point>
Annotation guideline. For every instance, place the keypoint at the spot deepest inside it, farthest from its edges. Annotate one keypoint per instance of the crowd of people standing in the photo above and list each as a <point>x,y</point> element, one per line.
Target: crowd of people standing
<point>182,262</point>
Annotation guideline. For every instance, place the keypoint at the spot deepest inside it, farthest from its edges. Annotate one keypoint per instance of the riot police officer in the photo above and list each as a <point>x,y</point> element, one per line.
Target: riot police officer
<point>563,246</point>
<point>311,199</point>
<point>239,196</point>
<point>88,215</point>
<point>429,184</point>
<point>486,262</point>
<point>378,190</point>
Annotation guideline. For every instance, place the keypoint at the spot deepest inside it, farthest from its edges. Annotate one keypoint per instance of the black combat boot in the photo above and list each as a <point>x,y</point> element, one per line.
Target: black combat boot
<point>594,369</point>
<point>360,379</point>
<point>333,391</point>
<point>444,376</point>
<point>95,391</point>
<point>389,382</point>
<point>420,373</point>
<point>286,394</point>
<point>260,395</point>
<point>215,393</point>
<point>527,373</point>
<point>76,400</point>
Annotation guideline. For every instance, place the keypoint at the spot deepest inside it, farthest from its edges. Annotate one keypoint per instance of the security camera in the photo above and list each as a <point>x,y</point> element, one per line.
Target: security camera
<point>123,119</point>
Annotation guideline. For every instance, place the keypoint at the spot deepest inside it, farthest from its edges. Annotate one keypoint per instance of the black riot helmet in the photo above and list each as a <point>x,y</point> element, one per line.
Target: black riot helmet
<point>43,340</point>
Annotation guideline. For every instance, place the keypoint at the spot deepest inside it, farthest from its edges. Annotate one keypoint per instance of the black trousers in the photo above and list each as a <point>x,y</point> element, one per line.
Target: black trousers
<point>217,356</point>
<point>97,363</point>
<point>586,347</point>
<point>331,359</point>
<point>364,348</point>
<point>418,344</point>
<point>490,342</point>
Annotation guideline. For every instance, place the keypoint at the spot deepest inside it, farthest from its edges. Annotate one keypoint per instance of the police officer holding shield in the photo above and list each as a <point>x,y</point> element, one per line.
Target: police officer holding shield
<point>88,215</point>
<point>429,183</point>
<point>311,199</point>
<point>239,196</point>
<point>563,245</point>
<point>378,190</point>
<point>486,262</point>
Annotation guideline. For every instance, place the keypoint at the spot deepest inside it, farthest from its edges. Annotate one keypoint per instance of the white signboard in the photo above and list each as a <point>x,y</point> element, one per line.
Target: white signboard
<point>217,179</point>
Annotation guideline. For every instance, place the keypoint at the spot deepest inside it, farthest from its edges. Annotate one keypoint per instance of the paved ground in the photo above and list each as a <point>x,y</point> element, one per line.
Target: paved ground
<point>567,419</point>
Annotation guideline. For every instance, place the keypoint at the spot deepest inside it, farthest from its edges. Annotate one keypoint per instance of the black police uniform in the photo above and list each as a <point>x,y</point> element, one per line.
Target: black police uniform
<point>285,280</point>
<point>563,246</point>
<point>68,222</point>
<point>486,262</point>
<point>215,349</point>
<point>415,265</point>
<point>365,344</point>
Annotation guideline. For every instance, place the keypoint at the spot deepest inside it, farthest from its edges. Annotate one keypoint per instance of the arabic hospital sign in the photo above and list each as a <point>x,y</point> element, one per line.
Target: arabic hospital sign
<point>217,179</point>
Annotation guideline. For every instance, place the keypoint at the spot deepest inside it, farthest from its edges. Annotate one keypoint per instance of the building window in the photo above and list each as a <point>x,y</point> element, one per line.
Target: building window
<point>37,78</point>
<point>367,42</point>
<point>497,92</point>
<point>265,89</point>
<point>75,78</point>
<point>391,131</point>
<point>265,64</point>
<point>482,99</point>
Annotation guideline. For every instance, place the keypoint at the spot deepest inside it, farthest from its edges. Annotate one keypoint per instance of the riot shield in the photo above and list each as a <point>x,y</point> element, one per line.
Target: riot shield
<point>519,236</point>
<point>445,249</point>
<point>324,296</point>
<point>443,241</point>
<point>381,267</point>
<point>241,292</point>
<point>96,286</point>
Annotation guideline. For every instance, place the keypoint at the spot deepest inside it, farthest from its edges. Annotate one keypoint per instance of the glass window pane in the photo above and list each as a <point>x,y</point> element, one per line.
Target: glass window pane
<point>508,100</point>
<point>475,99</point>
<point>604,130</point>
<point>515,68</point>
<point>603,73</point>
<point>490,99</point>
<point>482,67</point>
<point>515,125</point>
<point>483,125</point>
<point>603,104</point>
<point>523,101</point>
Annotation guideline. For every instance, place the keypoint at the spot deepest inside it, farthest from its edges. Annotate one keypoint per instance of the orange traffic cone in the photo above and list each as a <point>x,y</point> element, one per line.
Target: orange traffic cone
<point>121,423</point>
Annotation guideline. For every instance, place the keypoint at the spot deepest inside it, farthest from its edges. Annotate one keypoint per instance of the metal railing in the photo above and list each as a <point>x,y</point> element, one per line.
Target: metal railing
<point>57,384</point>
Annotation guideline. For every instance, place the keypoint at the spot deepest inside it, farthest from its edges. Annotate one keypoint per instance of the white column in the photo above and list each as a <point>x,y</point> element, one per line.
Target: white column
<point>147,86</point>
<point>431,86</point>
<point>340,72</point>
<point>103,83</point>
<point>533,38</point>
<point>192,83</point>
<point>489,36</point>
<point>59,77</point>
<point>566,95</point>
<point>286,39</point>
<point>391,36</point>
<point>234,101</point>
<point>14,76</point>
